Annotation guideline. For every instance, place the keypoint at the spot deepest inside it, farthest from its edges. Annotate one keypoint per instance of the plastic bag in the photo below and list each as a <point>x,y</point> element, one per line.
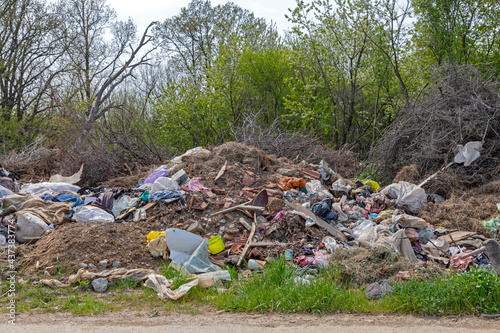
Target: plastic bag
<point>407,195</point>
<point>340,185</point>
<point>324,209</point>
<point>5,191</point>
<point>199,261</point>
<point>492,226</point>
<point>140,215</point>
<point>330,244</point>
<point>86,214</point>
<point>469,153</point>
<point>366,226</point>
<point>342,217</point>
<point>158,247</point>
<point>373,184</point>
<point>124,203</point>
<point>154,234</point>
<point>29,226</point>
<point>190,152</point>
<point>182,244</point>
<point>325,170</point>
<point>153,176</point>
<point>164,183</point>
<point>195,185</point>
<point>315,187</point>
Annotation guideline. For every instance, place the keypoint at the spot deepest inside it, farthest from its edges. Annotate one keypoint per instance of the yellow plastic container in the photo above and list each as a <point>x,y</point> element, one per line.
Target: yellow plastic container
<point>154,234</point>
<point>215,244</point>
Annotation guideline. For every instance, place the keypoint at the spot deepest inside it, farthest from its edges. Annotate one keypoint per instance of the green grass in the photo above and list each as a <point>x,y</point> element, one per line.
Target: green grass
<point>85,304</point>
<point>475,292</point>
<point>276,290</point>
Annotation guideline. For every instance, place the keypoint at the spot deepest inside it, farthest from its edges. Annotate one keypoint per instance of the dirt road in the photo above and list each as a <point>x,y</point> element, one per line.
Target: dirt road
<point>235,322</point>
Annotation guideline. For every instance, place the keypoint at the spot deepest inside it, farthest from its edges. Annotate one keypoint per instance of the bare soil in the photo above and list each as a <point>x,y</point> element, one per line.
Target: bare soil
<point>235,322</point>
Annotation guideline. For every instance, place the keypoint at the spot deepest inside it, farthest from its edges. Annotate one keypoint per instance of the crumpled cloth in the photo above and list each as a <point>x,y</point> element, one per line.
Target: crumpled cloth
<point>50,212</point>
<point>8,183</point>
<point>195,185</point>
<point>460,264</point>
<point>164,194</point>
<point>66,197</point>
<point>319,259</point>
<point>288,183</point>
<point>380,235</point>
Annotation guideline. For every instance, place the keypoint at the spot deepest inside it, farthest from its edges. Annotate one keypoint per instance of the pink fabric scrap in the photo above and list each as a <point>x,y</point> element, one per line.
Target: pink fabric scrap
<point>195,185</point>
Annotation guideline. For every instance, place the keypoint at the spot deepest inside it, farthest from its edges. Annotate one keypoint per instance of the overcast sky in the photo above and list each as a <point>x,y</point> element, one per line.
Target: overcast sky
<point>144,12</point>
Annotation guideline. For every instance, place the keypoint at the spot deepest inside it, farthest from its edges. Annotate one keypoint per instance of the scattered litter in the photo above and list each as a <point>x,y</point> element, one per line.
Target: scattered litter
<point>238,207</point>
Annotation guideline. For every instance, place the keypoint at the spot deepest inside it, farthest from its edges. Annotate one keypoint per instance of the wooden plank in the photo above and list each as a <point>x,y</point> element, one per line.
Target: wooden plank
<point>221,171</point>
<point>249,241</point>
<point>320,222</point>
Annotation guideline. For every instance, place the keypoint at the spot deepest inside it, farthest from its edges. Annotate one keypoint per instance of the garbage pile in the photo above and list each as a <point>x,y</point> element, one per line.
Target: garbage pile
<point>234,206</point>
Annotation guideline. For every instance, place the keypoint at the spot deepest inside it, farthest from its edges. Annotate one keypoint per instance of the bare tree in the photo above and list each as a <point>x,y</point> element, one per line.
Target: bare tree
<point>101,53</point>
<point>29,55</point>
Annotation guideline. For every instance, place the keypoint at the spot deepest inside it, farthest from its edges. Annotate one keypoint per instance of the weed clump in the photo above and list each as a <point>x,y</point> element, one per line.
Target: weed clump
<point>360,266</point>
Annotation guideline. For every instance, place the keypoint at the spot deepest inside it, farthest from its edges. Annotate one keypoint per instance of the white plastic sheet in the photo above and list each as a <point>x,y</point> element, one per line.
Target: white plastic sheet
<point>5,191</point>
<point>125,202</point>
<point>164,183</point>
<point>314,186</point>
<point>407,195</point>
<point>366,226</point>
<point>163,286</point>
<point>55,187</point>
<point>178,159</point>
<point>468,153</point>
<point>70,180</point>
<point>86,214</point>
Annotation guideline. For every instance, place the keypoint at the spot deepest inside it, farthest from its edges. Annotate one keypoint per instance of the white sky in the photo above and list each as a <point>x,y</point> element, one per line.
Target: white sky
<point>144,12</point>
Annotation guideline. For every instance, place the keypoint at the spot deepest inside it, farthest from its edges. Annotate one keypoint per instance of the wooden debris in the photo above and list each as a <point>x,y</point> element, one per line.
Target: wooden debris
<point>319,222</point>
<point>221,171</point>
<point>245,224</point>
<point>249,241</point>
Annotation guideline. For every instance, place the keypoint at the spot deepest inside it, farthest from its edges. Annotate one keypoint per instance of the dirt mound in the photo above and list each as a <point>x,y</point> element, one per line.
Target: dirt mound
<point>62,250</point>
<point>465,212</point>
<point>238,152</point>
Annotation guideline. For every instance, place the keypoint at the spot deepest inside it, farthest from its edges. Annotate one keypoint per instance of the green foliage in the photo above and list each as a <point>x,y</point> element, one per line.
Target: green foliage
<point>369,172</point>
<point>83,283</point>
<point>238,76</point>
<point>458,32</point>
<point>12,135</point>
<point>474,292</point>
